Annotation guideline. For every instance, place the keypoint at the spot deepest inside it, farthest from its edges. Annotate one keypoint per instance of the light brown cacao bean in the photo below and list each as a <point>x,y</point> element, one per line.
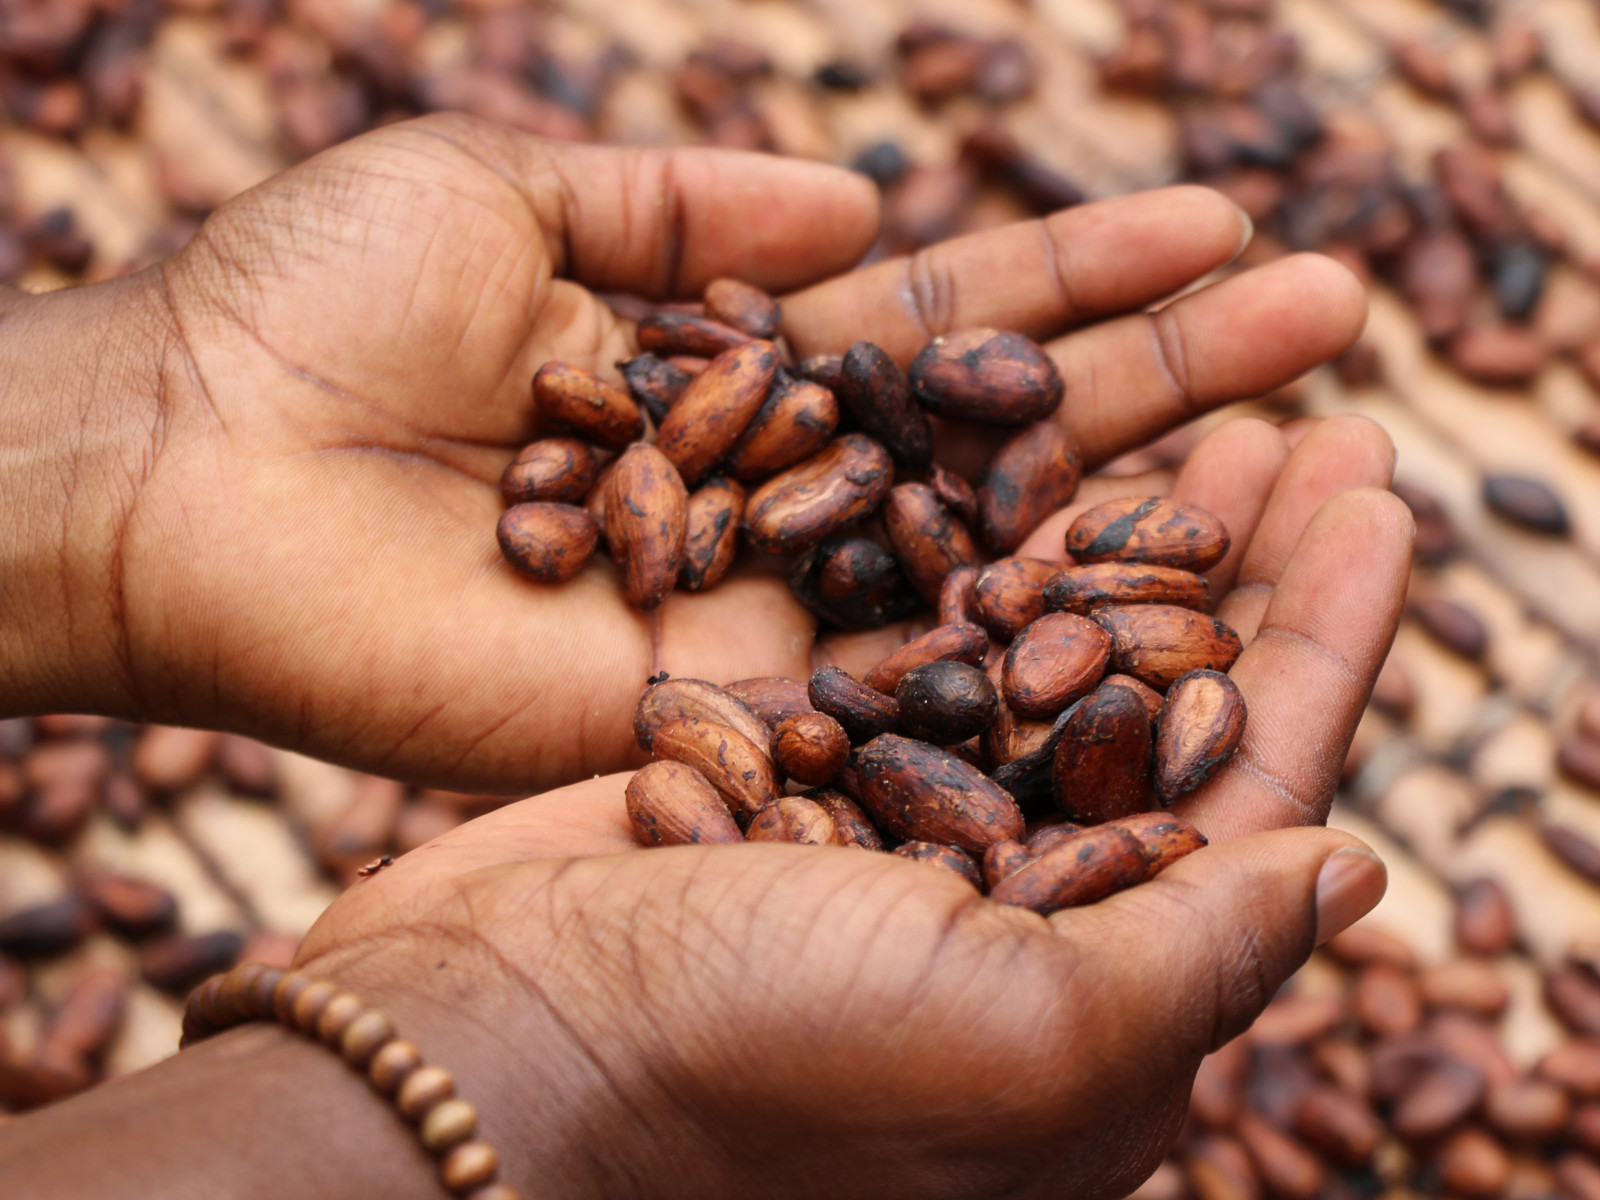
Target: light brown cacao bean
<point>570,397</point>
<point>545,541</point>
<point>672,804</point>
<point>647,509</point>
<point>1149,530</point>
<point>711,533</point>
<point>1053,661</point>
<point>715,408</point>
<point>730,762</point>
<point>802,506</point>
<point>1158,643</point>
<point>557,469</point>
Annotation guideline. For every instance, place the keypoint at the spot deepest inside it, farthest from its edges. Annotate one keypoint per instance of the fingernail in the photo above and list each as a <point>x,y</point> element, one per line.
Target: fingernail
<point>1350,884</point>
<point>1249,230</point>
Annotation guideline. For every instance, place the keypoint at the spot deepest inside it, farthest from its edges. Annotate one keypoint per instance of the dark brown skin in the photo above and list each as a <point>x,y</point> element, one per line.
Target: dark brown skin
<point>773,698</point>
<point>731,762</point>
<point>711,534</point>
<point>802,506</point>
<point>715,408</point>
<point>647,513</point>
<point>928,539</point>
<point>568,397</point>
<point>919,792</point>
<point>671,804</point>
<point>945,858</point>
<point>1082,589</point>
<point>793,819</point>
<point>654,382</point>
<point>852,583</point>
<point>986,375</point>
<point>863,711</point>
<point>1156,643</point>
<point>1152,530</point>
<point>547,542</point>
<point>560,470</point>
<point>670,334</point>
<point>1201,725</point>
<point>1031,475</point>
<point>958,596</point>
<point>963,643</point>
<point>675,699</point>
<point>850,824</point>
<point>1010,594</point>
<point>1103,761</point>
<point>740,306</point>
<point>946,703</point>
<point>810,748</point>
<point>1052,662</point>
<point>793,424</point>
<point>875,391</point>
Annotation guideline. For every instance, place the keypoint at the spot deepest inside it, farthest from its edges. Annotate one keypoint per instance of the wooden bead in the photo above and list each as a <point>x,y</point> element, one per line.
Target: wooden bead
<point>392,1064</point>
<point>232,997</point>
<point>257,1000</point>
<point>337,1015</point>
<point>309,1004</point>
<point>285,994</point>
<point>210,1002</point>
<point>469,1166</point>
<point>448,1123</point>
<point>363,1036</point>
<point>496,1191</point>
<point>422,1089</point>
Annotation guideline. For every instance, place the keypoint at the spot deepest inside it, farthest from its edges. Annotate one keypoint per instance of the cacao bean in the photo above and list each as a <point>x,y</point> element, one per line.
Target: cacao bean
<point>810,748</point>
<point>48,928</point>
<point>773,698</point>
<point>1055,660</point>
<point>1153,700</point>
<point>961,643</point>
<point>711,533</point>
<point>792,819</point>
<point>1484,922</point>
<point>1083,589</point>
<point>1575,1066</point>
<point>955,493</point>
<point>669,334</point>
<point>1438,1100</point>
<point>850,824</point>
<point>1386,1000</point>
<point>1498,355</point>
<point>863,711</point>
<point>177,963</point>
<point>558,469</point>
<point>1103,762</point>
<point>1528,502</point>
<point>1098,862</point>
<point>133,906</point>
<point>1338,1124</point>
<point>1471,1163</point>
<point>794,423</point>
<point>800,507</point>
<point>1149,530</point>
<point>919,792</point>
<point>1010,595</point>
<point>730,762</point>
<point>676,699</point>
<point>672,804</point>
<point>646,523</point>
<point>852,584</point>
<point>1220,1169</point>
<point>1574,995</point>
<point>1289,1170</point>
<point>1527,1110</point>
<point>655,383</point>
<point>1465,983</point>
<point>740,306</point>
<point>1572,848</point>
<point>1158,643</point>
<point>927,538</point>
<point>1029,777</point>
<point>877,394</point>
<point>1200,727</point>
<point>1032,474</point>
<point>1363,944</point>
<point>958,596</point>
<point>715,408</point>
<point>986,375</point>
<point>945,702</point>
<point>87,1018</point>
<point>545,541</point>
<point>1047,836</point>
<point>825,370</point>
<point>1000,860</point>
<point>946,858</point>
<point>570,397</point>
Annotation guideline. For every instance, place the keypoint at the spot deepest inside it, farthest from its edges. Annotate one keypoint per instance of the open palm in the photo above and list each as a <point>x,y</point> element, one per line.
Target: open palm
<point>310,553</point>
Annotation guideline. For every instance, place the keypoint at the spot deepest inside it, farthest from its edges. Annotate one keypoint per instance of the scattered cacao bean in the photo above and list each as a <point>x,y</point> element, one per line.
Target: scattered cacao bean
<point>1032,474</point>
<point>986,375</point>
<point>672,804</point>
<point>1156,530</point>
<point>558,469</point>
<point>548,542</point>
<point>945,702</point>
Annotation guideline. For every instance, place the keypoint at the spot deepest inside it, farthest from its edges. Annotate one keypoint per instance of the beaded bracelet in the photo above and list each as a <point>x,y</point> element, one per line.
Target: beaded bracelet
<point>365,1038</point>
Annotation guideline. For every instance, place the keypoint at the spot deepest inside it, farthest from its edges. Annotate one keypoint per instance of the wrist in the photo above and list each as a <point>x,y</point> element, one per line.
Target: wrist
<point>80,373</point>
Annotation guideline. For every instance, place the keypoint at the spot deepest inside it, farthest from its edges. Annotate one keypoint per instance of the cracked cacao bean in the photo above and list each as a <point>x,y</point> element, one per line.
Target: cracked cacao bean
<point>1102,764</point>
<point>986,375</point>
<point>946,858</point>
<point>800,507</point>
<point>792,819</point>
<point>1156,643</point>
<point>716,407</point>
<point>919,792</point>
<point>963,643</point>
<point>1052,662</point>
<point>678,699</point>
<point>670,334</point>
<point>945,702</point>
<point>928,539</point>
<point>560,470</point>
<point>1153,530</point>
<point>863,711</point>
<point>646,522</point>
<point>794,423</point>
<point>810,748</point>
<point>655,383</point>
<point>1032,474</point>
<point>672,804</point>
<point>852,584</point>
<point>547,542</point>
<point>876,392</point>
<point>570,397</point>
<point>850,824</point>
<point>1086,588</point>
<point>773,698</point>
<point>1029,776</point>
<point>1098,862</point>
<point>740,306</point>
<point>1009,594</point>
<point>733,764</point>
<point>1201,725</point>
<point>711,533</point>
<point>958,597</point>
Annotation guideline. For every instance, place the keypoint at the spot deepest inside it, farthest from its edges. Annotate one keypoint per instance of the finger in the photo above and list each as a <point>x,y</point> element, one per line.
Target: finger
<point>1130,379</point>
<point>1232,473</point>
<point>663,222</point>
<point>1035,277</point>
<point>1176,967</point>
<point>1334,456</point>
<point>1308,673</point>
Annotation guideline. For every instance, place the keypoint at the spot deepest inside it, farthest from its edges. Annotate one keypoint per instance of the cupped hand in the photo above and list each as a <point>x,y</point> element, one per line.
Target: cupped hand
<point>829,1022</point>
<point>308,549</point>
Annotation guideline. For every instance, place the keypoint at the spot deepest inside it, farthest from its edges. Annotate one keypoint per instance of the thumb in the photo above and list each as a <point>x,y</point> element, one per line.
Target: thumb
<point>1186,962</point>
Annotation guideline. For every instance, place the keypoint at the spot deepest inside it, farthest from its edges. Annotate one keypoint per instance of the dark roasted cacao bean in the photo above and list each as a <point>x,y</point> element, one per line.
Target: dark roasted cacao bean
<point>802,506</point>
<point>1032,474</point>
<point>1529,502</point>
<point>177,963</point>
<point>1103,761</point>
<point>863,711</point>
<point>1153,530</point>
<point>826,370</point>
<point>560,470</point>
<point>945,702</point>
<point>986,375</point>
<point>877,394</point>
<point>852,584</point>
<point>655,383</point>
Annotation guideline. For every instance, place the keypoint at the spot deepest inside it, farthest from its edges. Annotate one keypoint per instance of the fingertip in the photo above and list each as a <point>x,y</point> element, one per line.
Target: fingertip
<point>1332,289</point>
<point>1350,883</point>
